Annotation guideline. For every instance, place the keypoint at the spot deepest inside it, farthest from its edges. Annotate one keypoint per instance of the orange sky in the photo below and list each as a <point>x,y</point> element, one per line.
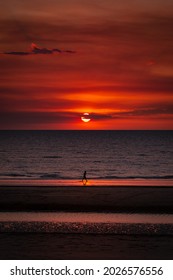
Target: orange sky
<point>121,71</point>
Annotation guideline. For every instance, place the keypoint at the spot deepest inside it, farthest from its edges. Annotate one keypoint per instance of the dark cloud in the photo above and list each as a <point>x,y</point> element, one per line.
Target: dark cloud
<point>99,117</point>
<point>17,53</point>
<point>159,110</point>
<point>17,120</point>
<point>37,50</point>
<point>156,112</point>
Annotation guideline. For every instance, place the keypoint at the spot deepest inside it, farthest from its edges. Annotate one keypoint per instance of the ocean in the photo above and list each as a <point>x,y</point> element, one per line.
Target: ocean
<point>105,155</point>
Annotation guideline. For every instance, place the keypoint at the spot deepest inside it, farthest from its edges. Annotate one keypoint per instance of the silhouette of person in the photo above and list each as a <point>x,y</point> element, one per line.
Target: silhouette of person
<point>84,179</point>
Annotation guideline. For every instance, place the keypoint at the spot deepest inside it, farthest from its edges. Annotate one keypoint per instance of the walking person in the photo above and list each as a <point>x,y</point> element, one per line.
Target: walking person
<point>84,179</point>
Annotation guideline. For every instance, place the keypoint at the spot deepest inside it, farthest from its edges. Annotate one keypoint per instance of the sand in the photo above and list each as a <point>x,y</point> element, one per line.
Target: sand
<point>104,199</point>
<point>87,247</point>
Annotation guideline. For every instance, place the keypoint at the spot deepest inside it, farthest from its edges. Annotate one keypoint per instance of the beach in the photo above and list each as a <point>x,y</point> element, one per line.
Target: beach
<point>87,247</point>
<point>145,199</point>
<point>62,222</point>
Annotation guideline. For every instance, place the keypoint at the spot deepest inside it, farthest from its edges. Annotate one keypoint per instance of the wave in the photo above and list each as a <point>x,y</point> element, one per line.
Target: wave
<point>136,177</point>
<point>13,175</point>
<point>50,176</point>
<point>44,176</point>
<point>52,157</point>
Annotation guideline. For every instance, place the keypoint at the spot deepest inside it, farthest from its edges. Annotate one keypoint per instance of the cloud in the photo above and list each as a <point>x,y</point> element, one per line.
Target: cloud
<point>37,50</point>
<point>23,119</point>
<point>16,53</point>
<point>155,112</point>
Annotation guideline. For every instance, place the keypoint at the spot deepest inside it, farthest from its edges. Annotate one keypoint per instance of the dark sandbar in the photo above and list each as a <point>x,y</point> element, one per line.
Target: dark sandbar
<point>144,199</point>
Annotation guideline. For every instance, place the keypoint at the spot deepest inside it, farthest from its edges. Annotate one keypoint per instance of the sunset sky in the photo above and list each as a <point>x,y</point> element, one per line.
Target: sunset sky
<point>112,59</point>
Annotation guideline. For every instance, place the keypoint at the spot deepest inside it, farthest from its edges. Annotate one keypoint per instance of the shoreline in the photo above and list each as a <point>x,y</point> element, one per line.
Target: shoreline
<point>91,183</point>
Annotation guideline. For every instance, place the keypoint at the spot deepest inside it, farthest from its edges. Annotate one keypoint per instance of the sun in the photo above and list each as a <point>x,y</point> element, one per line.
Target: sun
<point>85,117</point>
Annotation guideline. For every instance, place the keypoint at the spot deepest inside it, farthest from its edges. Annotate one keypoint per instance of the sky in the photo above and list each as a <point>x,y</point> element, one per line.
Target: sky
<point>111,59</point>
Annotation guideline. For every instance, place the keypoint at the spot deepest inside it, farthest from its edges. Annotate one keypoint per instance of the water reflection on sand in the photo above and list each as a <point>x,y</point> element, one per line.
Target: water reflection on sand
<point>84,217</point>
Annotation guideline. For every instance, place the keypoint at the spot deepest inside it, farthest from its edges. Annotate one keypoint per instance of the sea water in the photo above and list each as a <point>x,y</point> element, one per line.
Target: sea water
<point>105,155</point>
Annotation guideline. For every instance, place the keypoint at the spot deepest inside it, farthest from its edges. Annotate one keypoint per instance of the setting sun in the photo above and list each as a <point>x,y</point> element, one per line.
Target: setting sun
<point>85,118</point>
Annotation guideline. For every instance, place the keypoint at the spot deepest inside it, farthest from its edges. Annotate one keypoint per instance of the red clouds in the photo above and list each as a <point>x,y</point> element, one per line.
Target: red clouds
<point>121,73</point>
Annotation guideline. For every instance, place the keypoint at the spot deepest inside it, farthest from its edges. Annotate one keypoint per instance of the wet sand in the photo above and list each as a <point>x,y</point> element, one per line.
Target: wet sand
<point>146,199</point>
<point>52,246</point>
